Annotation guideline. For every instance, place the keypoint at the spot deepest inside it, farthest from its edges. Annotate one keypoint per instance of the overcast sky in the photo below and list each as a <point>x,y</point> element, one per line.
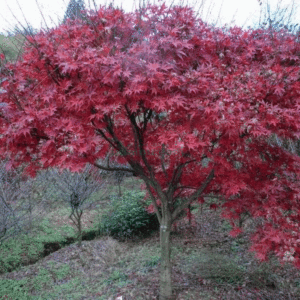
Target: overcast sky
<point>55,9</point>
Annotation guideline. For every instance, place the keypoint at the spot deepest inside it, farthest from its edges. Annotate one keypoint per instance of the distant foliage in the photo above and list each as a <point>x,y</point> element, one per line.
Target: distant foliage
<point>73,10</point>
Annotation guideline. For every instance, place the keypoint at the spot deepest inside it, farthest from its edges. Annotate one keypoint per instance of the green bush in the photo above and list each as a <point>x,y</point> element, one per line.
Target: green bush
<point>128,217</point>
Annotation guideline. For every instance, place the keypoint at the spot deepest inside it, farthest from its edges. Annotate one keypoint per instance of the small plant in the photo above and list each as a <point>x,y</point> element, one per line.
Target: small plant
<point>151,263</point>
<point>128,217</point>
<point>154,260</point>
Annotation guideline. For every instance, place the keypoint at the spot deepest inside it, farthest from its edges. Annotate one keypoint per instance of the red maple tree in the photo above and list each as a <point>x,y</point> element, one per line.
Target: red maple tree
<point>166,102</point>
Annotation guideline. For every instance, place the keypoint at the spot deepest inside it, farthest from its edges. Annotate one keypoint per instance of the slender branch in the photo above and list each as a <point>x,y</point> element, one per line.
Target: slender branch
<point>120,148</point>
<point>162,157</point>
<point>135,138</point>
<point>135,165</point>
<point>176,176</point>
<point>158,214</point>
<point>186,203</point>
<point>100,132</point>
<point>140,140</point>
<point>185,187</point>
<point>16,101</point>
<point>112,168</point>
<point>49,72</point>
<point>147,118</point>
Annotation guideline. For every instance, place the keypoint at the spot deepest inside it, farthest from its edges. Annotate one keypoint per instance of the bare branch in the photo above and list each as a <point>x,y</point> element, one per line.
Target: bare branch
<point>112,168</point>
<point>76,189</point>
<point>16,207</point>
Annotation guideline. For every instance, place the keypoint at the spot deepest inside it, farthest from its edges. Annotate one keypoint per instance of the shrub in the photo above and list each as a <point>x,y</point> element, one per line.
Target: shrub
<point>128,217</point>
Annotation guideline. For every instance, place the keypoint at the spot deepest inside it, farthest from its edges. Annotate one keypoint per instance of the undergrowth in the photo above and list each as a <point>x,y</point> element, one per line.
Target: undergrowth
<point>131,268</point>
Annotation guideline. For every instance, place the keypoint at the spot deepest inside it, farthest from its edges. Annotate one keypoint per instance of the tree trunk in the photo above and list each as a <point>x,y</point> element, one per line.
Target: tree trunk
<point>165,267</point>
<point>79,233</point>
<point>189,209</point>
<point>120,192</point>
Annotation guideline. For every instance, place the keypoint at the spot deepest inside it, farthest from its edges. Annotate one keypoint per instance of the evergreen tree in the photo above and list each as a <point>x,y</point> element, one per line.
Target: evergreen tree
<point>73,10</point>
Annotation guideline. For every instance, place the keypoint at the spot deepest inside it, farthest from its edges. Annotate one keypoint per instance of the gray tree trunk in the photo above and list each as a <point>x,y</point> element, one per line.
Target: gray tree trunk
<point>165,267</point>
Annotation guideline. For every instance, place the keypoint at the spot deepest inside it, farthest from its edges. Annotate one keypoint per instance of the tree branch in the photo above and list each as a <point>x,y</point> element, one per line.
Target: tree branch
<point>158,214</point>
<point>100,132</point>
<point>185,187</point>
<point>112,168</point>
<point>136,167</point>
<point>186,203</point>
<point>176,176</point>
<point>162,157</point>
<point>140,139</point>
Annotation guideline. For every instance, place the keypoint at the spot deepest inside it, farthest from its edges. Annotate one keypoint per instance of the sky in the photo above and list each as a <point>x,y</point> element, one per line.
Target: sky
<point>245,12</point>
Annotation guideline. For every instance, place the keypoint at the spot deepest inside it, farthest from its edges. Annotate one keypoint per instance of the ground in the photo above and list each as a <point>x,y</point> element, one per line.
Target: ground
<point>207,264</point>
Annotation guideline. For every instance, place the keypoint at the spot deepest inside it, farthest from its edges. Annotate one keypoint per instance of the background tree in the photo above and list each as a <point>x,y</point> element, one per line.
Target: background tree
<point>74,10</point>
<point>279,18</point>
<point>18,202</point>
<point>75,189</point>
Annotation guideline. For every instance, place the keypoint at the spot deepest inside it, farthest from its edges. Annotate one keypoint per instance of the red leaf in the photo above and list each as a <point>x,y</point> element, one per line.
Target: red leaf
<point>235,232</point>
<point>153,67</point>
<point>69,66</point>
<point>279,90</point>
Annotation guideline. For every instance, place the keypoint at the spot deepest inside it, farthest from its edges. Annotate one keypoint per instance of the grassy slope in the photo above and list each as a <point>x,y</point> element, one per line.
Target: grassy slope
<point>207,263</point>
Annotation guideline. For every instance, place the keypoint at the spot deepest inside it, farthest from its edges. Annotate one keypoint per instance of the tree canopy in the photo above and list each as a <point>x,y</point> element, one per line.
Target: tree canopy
<point>164,103</point>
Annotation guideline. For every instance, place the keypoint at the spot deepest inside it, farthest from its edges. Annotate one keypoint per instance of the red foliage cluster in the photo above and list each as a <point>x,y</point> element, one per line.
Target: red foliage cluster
<point>82,89</point>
